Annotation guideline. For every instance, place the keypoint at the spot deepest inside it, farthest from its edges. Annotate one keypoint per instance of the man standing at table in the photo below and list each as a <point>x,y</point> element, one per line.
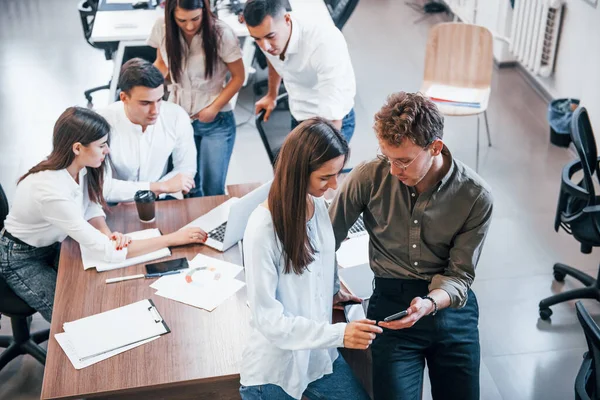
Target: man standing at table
<point>145,133</point>
<point>313,60</point>
<point>427,215</point>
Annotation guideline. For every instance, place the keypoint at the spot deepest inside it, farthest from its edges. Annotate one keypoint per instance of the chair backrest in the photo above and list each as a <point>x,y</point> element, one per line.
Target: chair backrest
<point>274,131</point>
<point>3,207</point>
<point>585,144</point>
<point>460,55</point>
<point>87,12</point>
<point>592,337</point>
<point>341,10</point>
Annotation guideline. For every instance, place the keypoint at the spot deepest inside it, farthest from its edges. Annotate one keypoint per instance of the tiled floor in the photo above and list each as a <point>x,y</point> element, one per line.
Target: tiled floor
<point>45,65</point>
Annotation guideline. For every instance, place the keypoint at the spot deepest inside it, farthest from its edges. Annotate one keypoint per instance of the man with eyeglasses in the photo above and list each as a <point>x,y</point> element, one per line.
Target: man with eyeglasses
<point>427,215</point>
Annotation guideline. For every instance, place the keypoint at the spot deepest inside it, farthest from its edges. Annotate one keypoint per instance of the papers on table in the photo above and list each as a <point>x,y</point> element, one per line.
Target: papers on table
<point>209,287</point>
<point>100,336</point>
<point>353,251</point>
<point>456,96</point>
<point>90,262</point>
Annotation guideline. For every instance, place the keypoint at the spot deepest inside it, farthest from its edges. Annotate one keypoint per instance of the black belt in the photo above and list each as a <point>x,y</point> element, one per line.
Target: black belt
<point>6,234</point>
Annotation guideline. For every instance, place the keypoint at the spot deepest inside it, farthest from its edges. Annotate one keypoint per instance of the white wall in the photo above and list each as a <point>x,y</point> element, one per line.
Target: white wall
<point>496,15</point>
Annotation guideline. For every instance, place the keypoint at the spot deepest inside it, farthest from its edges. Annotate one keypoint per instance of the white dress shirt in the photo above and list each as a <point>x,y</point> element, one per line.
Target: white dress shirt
<point>317,71</point>
<point>194,92</point>
<point>138,158</point>
<point>49,206</point>
<point>292,341</point>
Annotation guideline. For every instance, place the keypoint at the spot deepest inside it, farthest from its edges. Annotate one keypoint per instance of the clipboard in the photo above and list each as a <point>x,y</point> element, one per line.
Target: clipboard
<point>112,330</point>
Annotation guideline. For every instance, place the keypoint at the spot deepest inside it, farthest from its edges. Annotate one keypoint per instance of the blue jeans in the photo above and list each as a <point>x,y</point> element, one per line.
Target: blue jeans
<point>214,143</point>
<point>449,341</point>
<point>348,124</point>
<point>340,384</point>
<point>31,273</point>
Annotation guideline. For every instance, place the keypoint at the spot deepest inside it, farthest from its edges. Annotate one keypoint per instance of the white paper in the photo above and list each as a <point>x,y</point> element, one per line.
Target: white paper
<point>358,280</point>
<point>101,265</point>
<point>354,251</point>
<point>453,93</point>
<point>114,329</point>
<point>65,343</point>
<point>208,296</point>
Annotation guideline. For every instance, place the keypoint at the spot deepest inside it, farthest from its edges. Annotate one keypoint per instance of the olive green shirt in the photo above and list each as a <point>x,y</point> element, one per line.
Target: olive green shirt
<point>435,236</point>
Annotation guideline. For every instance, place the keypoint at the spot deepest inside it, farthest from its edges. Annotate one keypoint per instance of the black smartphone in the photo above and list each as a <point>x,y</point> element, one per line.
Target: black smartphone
<point>396,316</point>
<point>167,266</point>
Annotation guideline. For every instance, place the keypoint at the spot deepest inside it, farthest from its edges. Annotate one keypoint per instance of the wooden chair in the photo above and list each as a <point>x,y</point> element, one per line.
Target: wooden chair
<point>461,56</point>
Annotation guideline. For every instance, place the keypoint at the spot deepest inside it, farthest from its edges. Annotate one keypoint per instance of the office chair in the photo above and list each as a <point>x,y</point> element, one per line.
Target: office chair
<point>578,212</point>
<point>275,130</point>
<point>11,305</point>
<point>587,382</point>
<point>340,11</point>
<point>87,12</point>
<point>461,56</point>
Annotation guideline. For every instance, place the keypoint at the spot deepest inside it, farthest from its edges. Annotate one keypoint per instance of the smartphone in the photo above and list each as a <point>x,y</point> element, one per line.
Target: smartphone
<point>396,316</point>
<point>167,266</point>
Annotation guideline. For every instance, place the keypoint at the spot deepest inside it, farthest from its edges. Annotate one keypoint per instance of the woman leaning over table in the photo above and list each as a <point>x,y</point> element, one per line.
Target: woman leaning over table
<point>196,51</point>
<point>60,197</point>
<point>289,253</point>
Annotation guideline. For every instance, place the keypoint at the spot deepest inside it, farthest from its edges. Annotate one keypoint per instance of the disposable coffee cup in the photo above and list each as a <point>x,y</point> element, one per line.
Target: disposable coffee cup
<point>144,201</point>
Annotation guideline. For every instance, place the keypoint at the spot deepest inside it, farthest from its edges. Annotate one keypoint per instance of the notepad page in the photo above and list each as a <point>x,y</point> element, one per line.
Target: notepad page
<point>110,330</point>
<point>90,262</point>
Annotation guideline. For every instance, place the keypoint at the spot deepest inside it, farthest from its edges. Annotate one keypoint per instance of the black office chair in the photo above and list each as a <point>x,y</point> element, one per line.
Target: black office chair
<point>11,305</point>
<point>341,10</point>
<point>275,130</point>
<point>578,212</point>
<point>587,382</point>
<point>87,12</point>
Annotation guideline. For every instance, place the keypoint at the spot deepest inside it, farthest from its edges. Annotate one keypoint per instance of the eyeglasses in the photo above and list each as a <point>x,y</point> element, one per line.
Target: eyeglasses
<point>398,164</point>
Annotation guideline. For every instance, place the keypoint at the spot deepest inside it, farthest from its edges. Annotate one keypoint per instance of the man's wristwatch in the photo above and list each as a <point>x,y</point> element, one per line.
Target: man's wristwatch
<point>435,307</point>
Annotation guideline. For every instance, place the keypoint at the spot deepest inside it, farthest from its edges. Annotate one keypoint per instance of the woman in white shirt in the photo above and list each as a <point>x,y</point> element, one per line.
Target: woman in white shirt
<point>292,280</point>
<point>60,197</point>
<point>196,51</point>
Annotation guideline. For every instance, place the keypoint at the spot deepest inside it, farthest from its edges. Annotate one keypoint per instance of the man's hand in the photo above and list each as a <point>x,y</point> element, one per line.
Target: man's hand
<point>267,103</point>
<point>418,309</point>
<point>179,183</point>
<point>344,296</point>
<point>207,114</point>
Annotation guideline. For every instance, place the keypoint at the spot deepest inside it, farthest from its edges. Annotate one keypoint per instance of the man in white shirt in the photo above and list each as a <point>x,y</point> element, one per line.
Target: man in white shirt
<point>312,59</point>
<point>145,133</point>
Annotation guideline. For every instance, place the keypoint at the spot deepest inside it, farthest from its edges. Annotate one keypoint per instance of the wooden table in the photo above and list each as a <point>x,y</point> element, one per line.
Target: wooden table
<point>199,359</point>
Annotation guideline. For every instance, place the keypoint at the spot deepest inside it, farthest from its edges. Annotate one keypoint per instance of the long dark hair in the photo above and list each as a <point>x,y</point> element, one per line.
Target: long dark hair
<point>76,125</point>
<point>305,150</point>
<point>208,30</point>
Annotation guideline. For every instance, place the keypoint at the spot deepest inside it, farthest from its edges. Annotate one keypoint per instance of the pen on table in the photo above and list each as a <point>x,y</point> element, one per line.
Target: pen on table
<point>140,276</point>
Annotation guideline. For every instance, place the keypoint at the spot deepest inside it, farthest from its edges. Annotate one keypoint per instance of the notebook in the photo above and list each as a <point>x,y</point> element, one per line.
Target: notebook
<point>89,261</point>
<point>111,330</point>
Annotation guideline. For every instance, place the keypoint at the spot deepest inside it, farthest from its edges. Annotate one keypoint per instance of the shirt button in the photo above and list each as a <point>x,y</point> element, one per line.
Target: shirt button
<point>414,246</point>
<point>412,194</point>
<point>416,263</point>
<point>416,222</point>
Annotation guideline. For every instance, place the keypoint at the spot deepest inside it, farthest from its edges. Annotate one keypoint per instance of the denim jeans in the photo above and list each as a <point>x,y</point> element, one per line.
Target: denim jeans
<point>31,273</point>
<point>348,124</point>
<point>449,341</point>
<point>214,143</point>
<point>340,384</point>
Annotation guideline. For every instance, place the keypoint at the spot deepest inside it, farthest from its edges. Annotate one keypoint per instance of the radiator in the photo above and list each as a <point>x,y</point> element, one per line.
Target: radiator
<point>534,34</point>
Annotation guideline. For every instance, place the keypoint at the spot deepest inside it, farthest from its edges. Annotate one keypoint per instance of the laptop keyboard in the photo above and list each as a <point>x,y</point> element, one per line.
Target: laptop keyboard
<point>218,233</point>
<point>358,227</point>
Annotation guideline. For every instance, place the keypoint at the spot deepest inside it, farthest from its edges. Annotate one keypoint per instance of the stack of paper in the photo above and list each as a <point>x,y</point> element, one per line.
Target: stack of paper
<point>207,288</point>
<point>98,337</point>
<point>455,96</point>
<point>89,260</point>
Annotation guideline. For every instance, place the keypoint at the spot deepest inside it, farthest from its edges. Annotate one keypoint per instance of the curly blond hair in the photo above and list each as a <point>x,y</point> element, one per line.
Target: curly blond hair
<point>409,116</point>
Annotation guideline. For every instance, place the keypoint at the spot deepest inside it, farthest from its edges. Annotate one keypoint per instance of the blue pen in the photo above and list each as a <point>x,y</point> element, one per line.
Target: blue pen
<point>157,274</point>
<point>140,276</point>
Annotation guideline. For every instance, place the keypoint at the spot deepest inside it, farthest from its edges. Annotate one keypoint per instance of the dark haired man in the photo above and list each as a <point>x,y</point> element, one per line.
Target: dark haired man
<point>145,133</point>
<point>313,60</point>
<point>427,215</point>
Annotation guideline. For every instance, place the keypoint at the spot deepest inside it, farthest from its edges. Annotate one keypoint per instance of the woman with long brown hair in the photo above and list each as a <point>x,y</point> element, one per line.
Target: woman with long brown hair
<point>289,253</point>
<point>62,196</point>
<point>197,51</point>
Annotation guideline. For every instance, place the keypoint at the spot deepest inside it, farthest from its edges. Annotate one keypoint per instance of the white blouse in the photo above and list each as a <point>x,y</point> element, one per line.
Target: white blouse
<point>292,341</point>
<point>48,206</point>
<point>194,92</point>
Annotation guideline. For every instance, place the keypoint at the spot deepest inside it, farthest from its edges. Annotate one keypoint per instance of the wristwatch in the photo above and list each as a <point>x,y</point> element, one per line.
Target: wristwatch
<point>435,307</point>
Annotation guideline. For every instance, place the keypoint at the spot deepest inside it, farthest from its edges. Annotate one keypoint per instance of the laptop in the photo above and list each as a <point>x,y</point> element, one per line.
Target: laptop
<point>357,229</point>
<point>226,223</point>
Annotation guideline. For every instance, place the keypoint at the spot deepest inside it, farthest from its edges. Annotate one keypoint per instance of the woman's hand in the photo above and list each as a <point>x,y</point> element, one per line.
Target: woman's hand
<point>121,240</point>
<point>207,114</point>
<point>360,334</point>
<point>344,296</point>
<point>187,236</point>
